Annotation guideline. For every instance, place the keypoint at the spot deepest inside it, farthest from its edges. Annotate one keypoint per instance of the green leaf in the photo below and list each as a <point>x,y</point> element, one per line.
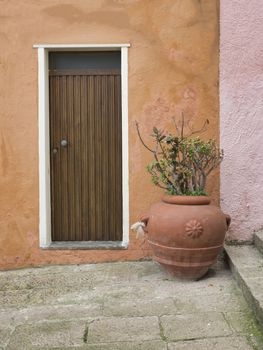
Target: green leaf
<point>155,130</point>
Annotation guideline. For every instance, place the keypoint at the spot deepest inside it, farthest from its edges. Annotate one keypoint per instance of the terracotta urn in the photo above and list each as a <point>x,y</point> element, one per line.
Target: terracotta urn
<point>186,234</point>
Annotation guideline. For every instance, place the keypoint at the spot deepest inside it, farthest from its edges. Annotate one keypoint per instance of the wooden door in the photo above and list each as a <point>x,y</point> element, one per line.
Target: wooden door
<point>86,154</point>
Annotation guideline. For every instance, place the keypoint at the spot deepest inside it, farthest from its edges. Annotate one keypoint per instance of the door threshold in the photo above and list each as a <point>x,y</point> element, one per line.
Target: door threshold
<point>89,245</point>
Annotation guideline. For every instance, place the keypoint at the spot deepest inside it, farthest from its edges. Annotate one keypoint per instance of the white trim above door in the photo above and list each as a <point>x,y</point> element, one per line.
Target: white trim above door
<point>45,240</point>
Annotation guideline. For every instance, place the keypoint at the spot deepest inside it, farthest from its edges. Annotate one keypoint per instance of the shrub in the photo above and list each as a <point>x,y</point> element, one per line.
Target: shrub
<point>182,162</point>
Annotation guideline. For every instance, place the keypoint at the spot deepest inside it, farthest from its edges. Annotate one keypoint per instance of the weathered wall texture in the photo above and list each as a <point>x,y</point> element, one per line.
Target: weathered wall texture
<point>173,67</point>
<point>241,82</point>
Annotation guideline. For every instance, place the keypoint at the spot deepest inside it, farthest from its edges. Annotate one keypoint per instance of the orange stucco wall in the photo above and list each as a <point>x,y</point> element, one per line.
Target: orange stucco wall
<point>173,67</point>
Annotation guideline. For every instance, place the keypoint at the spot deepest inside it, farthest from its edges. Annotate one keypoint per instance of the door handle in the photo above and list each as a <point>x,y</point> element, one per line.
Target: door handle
<point>64,143</point>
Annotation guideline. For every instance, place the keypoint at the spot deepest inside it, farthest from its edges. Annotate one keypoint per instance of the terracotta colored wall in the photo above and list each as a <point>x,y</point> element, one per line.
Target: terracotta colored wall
<point>241,115</point>
<point>173,67</point>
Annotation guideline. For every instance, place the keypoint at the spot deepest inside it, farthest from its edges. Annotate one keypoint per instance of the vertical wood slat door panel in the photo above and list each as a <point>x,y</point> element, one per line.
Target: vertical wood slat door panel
<point>86,175</point>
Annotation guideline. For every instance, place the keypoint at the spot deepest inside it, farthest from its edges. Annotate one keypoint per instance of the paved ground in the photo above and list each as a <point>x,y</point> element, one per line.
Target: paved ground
<point>132,305</point>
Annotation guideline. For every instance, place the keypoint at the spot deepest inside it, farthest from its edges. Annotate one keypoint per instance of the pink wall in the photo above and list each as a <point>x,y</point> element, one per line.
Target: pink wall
<point>241,89</point>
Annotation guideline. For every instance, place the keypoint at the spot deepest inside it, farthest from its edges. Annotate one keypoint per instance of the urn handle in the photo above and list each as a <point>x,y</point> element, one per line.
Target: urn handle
<point>228,220</point>
<point>145,218</point>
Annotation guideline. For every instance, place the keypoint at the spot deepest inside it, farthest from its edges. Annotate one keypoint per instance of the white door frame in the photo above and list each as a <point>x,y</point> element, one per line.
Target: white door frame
<point>45,240</point>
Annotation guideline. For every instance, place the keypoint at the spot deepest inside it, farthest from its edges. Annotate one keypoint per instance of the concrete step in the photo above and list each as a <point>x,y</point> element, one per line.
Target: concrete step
<point>246,264</point>
<point>258,240</point>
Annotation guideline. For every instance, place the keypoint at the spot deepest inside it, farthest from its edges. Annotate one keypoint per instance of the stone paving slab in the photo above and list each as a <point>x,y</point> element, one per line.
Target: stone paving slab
<point>33,314</point>
<point>242,322</point>
<point>24,297</point>
<point>245,323</point>
<point>254,284</point>
<point>123,306</point>
<point>5,333</point>
<point>124,329</point>
<point>217,302</point>
<point>228,343</point>
<point>57,280</point>
<point>246,264</point>
<point>251,272</point>
<point>237,253</point>
<point>140,307</point>
<point>105,274</point>
<point>55,334</point>
<point>194,326</point>
<point>145,345</point>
